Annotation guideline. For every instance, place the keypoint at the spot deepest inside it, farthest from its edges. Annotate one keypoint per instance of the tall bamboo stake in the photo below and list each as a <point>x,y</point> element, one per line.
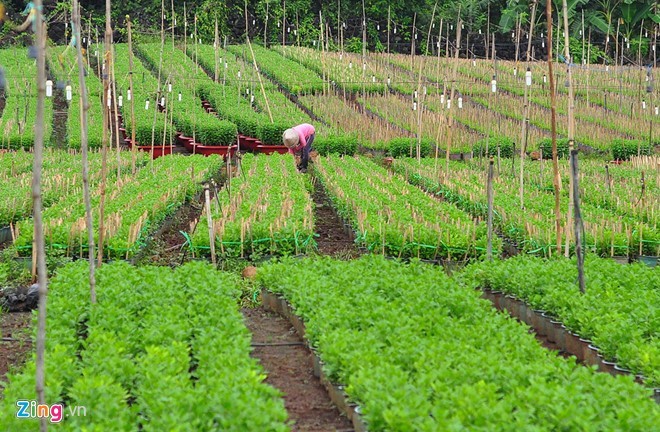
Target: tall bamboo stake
<point>526,109</point>
<point>450,119</point>
<point>578,219</point>
<point>216,47</point>
<point>130,89</point>
<point>84,109</point>
<point>160,68</point>
<point>553,116</point>
<point>571,115</point>
<point>489,192</point>
<point>39,241</point>
<point>256,68</point>
<point>106,128</point>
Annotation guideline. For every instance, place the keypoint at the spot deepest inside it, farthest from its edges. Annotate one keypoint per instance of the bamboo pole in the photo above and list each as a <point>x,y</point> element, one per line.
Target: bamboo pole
<point>579,228</point>
<point>160,68</point>
<point>216,46</point>
<point>132,93</point>
<point>553,111</point>
<point>84,109</point>
<point>526,109</point>
<point>571,116</point>
<point>256,68</point>
<point>489,192</point>
<point>209,221</point>
<point>42,275</point>
<point>450,119</point>
<point>106,128</point>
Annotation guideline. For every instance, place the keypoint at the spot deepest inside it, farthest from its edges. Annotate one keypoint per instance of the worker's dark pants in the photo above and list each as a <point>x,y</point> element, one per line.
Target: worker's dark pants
<point>304,159</point>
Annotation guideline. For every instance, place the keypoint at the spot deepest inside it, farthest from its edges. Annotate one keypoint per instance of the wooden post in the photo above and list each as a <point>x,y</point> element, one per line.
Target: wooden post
<point>607,174</point>
<point>84,109</point>
<point>39,241</point>
<point>578,226</point>
<point>130,89</point>
<point>489,189</point>
<point>553,116</point>
<point>571,114</point>
<point>107,41</point>
<point>209,221</point>
<point>216,43</point>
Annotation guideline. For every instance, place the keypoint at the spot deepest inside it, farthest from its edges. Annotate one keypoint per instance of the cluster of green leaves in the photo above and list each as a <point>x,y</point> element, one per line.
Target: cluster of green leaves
<point>618,311</point>
<point>417,351</point>
<point>61,177</point>
<point>395,218</point>
<point>188,115</point>
<point>504,144</point>
<point>545,146</point>
<point>336,144</point>
<point>291,75</point>
<point>625,149</point>
<point>159,349</point>
<point>19,114</point>
<point>266,209</point>
<point>134,207</point>
<point>404,147</point>
<point>609,229</point>
<point>145,88</point>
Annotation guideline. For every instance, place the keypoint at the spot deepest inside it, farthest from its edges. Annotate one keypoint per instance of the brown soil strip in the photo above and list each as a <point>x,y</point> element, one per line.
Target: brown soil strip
<point>333,238</point>
<point>15,343</point>
<point>290,369</point>
<point>547,344</point>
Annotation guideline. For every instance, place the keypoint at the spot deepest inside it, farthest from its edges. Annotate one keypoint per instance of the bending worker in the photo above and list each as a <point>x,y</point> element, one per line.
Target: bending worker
<point>299,139</point>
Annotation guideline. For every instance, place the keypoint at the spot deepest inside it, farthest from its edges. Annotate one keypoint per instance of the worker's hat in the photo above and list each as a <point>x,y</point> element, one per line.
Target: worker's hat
<point>290,138</point>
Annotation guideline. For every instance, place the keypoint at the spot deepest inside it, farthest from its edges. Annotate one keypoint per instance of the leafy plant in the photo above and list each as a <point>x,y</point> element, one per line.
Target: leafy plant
<point>338,145</point>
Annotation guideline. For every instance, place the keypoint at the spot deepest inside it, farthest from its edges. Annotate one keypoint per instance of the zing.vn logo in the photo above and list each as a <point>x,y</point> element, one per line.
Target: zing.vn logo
<point>30,409</point>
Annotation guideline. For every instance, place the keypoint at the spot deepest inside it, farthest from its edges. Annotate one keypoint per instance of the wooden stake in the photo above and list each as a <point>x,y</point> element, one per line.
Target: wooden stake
<point>209,221</point>
<point>489,191</point>
<point>579,228</point>
<point>84,109</point>
<point>553,115</point>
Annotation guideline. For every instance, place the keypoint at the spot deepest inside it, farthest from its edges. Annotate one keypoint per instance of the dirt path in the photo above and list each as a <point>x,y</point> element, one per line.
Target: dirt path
<point>289,366</point>
<point>15,343</point>
<point>333,239</point>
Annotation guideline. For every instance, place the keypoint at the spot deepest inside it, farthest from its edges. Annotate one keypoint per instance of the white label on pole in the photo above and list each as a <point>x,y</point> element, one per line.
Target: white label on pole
<point>341,56</point>
<point>350,65</point>
<point>146,104</point>
<point>460,103</point>
<point>247,91</point>
<point>528,78</point>
<point>162,101</point>
<point>169,88</point>
<point>96,53</point>
<point>415,94</point>
<point>252,98</point>
<point>479,31</point>
<point>493,86</point>
<point>128,95</point>
<point>414,106</point>
<point>643,104</point>
<point>69,94</point>
<point>239,74</point>
<point>373,78</point>
<point>199,40</point>
<point>515,71</point>
<point>364,66</point>
<point>474,62</point>
<point>388,81</point>
<point>288,29</point>
<point>378,27</point>
<point>254,22</point>
<point>295,32</point>
<point>180,96</point>
<point>442,99</point>
<point>120,101</point>
<point>545,79</point>
<point>49,88</point>
<point>542,44</point>
<point>109,99</point>
<point>394,30</point>
<point>656,110</point>
<point>448,103</point>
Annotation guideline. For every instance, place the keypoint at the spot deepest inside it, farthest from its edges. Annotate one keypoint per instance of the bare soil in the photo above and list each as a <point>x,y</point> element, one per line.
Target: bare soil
<point>15,343</point>
<point>60,113</point>
<point>289,365</point>
<point>333,239</point>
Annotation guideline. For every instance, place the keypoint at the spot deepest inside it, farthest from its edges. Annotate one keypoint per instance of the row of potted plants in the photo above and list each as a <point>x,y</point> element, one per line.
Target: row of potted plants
<point>265,209</point>
<point>183,358</point>
<point>415,350</point>
<point>134,207</point>
<point>397,219</point>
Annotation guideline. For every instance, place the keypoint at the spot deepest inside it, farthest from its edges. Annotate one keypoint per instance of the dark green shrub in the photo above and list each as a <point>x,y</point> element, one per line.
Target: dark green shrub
<point>625,149</point>
<point>340,145</point>
<point>505,144</point>
<point>400,147</point>
<point>546,146</point>
<point>271,133</point>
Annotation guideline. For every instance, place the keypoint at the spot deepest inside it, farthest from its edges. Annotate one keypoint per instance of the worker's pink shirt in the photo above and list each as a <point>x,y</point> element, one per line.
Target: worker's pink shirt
<point>304,130</point>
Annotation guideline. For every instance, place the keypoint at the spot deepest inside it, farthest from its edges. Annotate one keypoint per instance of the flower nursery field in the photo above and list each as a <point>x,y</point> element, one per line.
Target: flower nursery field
<point>235,293</point>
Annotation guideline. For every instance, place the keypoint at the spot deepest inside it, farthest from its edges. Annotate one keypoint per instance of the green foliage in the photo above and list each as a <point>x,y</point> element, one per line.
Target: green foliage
<point>505,146</point>
<point>401,147</point>
<point>394,218</point>
<point>545,145</point>
<point>271,133</point>
<point>184,355</point>
<point>353,45</point>
<point>272,212</point>
<point>419,352</point>
<point>612,292</point>
<point>625,149</point>
<point>336,144</point>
